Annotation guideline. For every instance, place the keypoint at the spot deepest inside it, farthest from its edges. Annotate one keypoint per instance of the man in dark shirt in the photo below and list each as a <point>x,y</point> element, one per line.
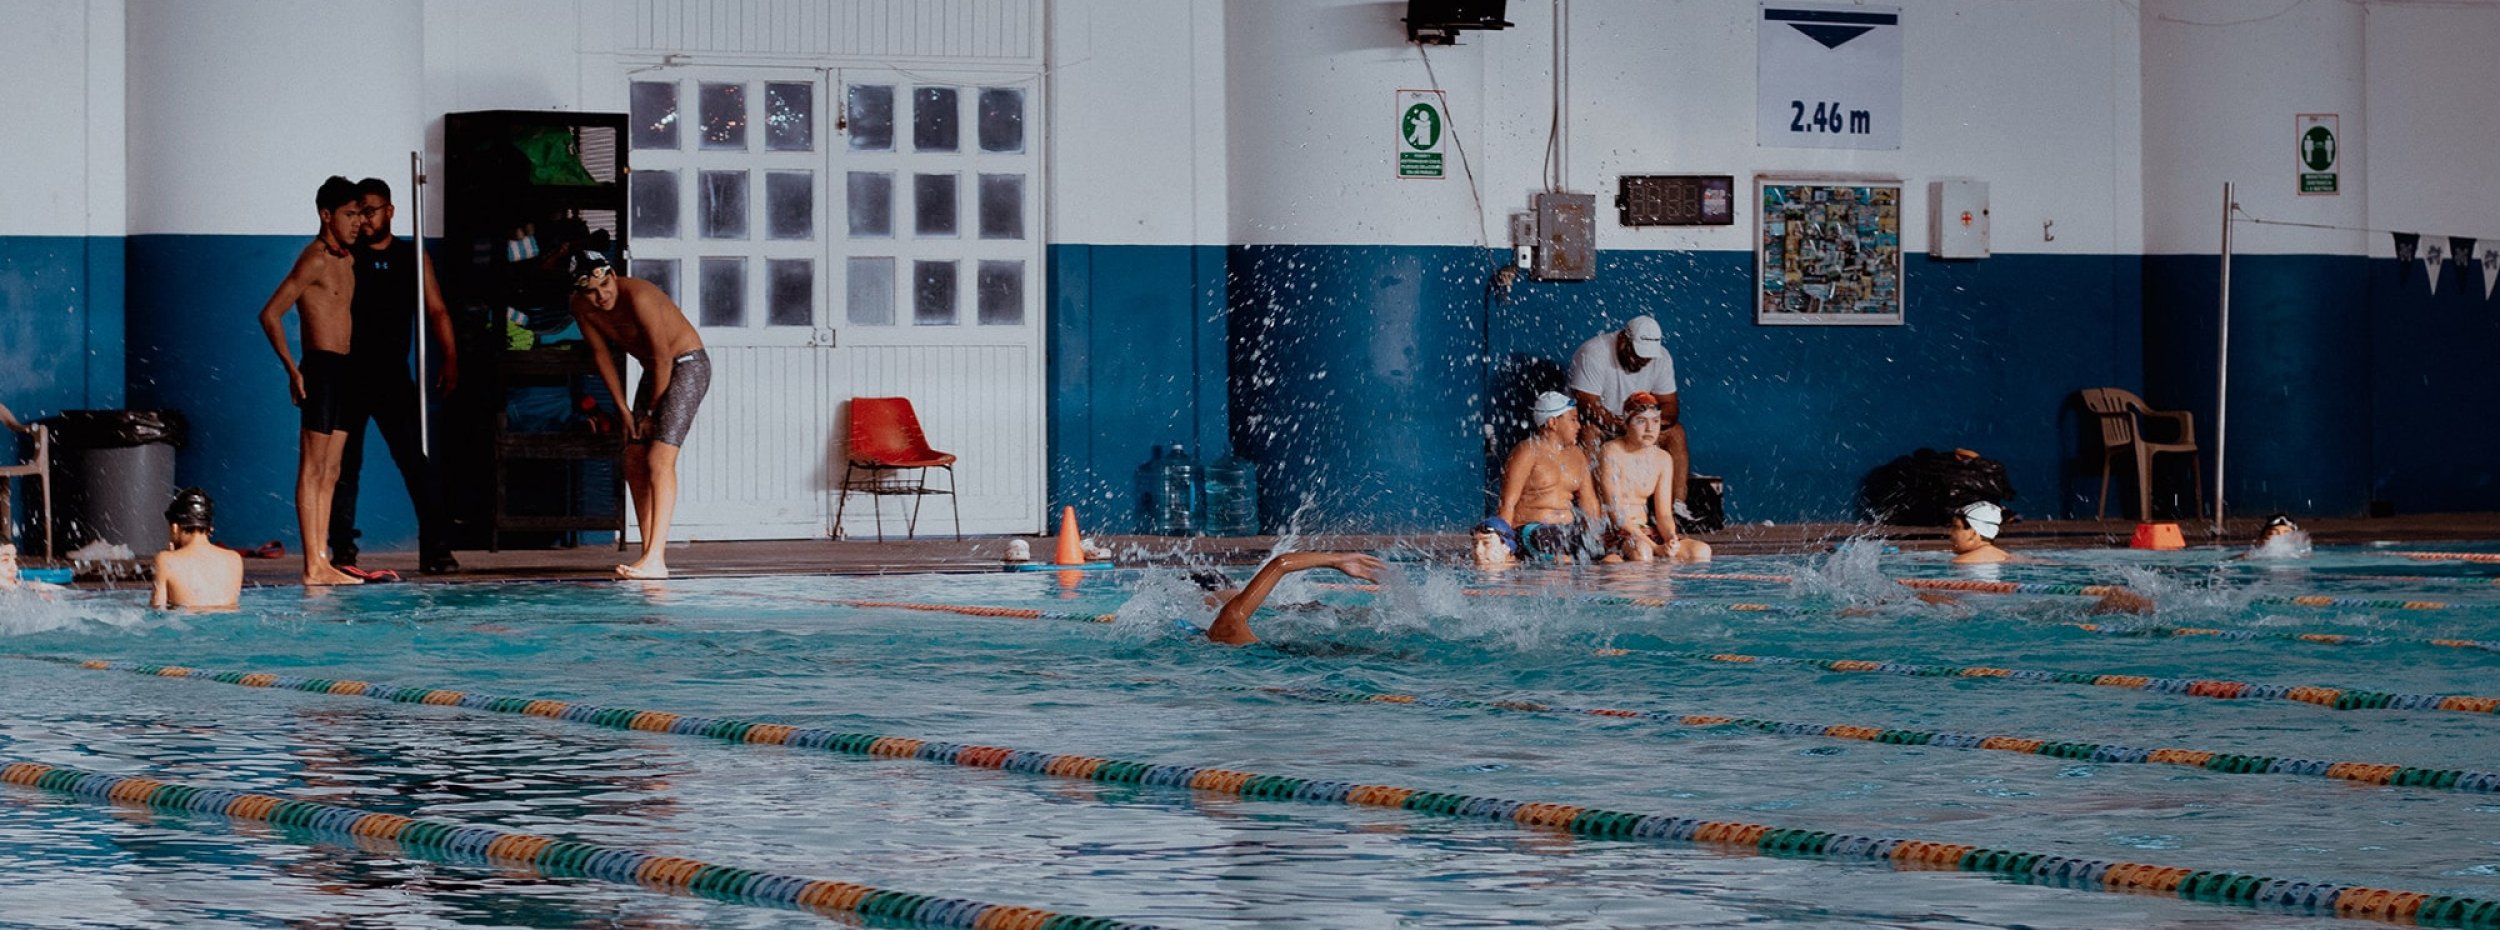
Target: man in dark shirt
<point>386,284</point>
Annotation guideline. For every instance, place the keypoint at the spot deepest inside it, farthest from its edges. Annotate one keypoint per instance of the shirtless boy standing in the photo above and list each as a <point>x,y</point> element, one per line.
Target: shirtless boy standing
<point>1546,477</point>
<point>628,313</point>
<point>1640,497</point>
<point>195,572</point>
<point>322,285</point>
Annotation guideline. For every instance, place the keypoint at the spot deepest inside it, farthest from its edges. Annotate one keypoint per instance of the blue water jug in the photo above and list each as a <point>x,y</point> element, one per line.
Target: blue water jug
<point>1150,509</point>
<point>1233,497</point>
<point>1179,487</point>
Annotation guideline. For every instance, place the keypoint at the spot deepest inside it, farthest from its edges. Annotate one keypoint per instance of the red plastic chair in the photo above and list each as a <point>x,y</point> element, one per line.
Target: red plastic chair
<point>886,440</point>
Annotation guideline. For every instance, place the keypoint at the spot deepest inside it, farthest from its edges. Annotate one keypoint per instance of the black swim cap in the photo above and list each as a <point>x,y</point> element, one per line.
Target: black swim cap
<point>587,264</point>
<point>191,510</point>
<point>1210,579</point>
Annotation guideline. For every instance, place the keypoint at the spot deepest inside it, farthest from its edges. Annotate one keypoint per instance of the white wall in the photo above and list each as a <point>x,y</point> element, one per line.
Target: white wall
<point>239,108</point>
<point>2040,99</point>
<point>2224,84</point>
<point>1137,144</point>
<point>62,170</point>
<point>2433,149</point>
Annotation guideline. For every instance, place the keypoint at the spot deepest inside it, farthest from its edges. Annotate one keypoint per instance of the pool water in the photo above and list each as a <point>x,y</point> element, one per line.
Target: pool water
<point>787,650</point>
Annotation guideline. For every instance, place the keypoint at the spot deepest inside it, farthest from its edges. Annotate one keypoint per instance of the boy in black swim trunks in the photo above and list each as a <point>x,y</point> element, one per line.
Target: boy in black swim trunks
<point>617,312</point>
<point>322,285</point>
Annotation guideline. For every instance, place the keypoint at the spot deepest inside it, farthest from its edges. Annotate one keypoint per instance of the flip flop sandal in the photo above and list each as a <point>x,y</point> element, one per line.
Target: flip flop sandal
<point>272,549</point>
<point>380,576</point>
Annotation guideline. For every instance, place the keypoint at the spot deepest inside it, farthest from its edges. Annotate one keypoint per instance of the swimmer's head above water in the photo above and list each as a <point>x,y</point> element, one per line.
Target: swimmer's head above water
<point>1493,542</point>
<point>191,510</point>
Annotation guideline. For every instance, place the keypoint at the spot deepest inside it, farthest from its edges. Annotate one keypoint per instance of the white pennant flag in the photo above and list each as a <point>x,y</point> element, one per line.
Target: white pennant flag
<point>2431,262</point>
<point>2491,271</point>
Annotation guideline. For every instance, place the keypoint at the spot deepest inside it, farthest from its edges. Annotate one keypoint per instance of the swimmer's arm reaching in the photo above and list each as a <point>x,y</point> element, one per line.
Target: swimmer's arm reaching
<point>1232,624</point>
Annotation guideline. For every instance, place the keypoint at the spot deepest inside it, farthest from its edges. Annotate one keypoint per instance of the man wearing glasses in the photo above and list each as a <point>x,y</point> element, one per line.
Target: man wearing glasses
<point>620,312</point>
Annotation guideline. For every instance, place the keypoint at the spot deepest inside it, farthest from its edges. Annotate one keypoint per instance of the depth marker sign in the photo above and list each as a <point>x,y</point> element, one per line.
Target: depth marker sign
<point>1423,128</point>
<point>1828,77</point>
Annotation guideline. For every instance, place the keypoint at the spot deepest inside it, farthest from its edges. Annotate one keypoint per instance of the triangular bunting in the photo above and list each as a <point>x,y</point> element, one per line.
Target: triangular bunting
<point>2491,271</point>
<point>2460,249</point>
<point>2405,244</point>
<point>2430,263</point>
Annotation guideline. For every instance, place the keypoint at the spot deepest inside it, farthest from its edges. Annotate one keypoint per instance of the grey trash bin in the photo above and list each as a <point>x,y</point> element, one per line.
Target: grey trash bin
<point>113,472</point>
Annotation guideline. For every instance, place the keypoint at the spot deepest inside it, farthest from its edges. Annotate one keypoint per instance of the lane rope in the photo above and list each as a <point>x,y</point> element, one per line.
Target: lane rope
<point>2330,639</point>
<point>2486,558</point>
<point>2339,639</point>
<point>671,874</point>
<point>2373,773</point>
<point>2348,901</point>
<point>2337,698</point>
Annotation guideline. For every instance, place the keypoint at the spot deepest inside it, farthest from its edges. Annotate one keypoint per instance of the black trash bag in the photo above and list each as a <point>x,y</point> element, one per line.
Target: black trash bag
<point>117,429</point>
<point>1923,488</point>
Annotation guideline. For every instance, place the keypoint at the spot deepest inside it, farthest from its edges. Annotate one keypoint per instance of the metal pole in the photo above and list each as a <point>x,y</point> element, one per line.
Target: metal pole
<point>2222,381</point>
<point>416,239</point>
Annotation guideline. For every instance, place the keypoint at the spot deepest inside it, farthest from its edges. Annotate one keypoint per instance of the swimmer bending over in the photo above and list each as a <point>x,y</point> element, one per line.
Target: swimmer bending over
<point>1232,619</point>
<point>635,316</point>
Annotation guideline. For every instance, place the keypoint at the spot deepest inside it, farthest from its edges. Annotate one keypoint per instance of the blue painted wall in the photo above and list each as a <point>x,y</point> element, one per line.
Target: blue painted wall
<point>1136,356</point>
<point>195,345</point>
<point>1384,383</point>
<point>60,332</point>
<point>2435,430</point>
<point>2302,374</point>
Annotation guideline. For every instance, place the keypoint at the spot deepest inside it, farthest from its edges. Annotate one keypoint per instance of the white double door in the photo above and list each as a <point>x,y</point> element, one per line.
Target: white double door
<point>841,233</point>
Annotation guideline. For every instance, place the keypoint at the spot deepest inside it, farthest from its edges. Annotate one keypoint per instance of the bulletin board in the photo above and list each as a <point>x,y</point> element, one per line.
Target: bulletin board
<point>1827,252</point>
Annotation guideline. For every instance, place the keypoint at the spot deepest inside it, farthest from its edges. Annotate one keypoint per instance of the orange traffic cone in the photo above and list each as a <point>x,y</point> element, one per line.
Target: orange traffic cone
<point>2157,536</point>
<point>1071,550</point>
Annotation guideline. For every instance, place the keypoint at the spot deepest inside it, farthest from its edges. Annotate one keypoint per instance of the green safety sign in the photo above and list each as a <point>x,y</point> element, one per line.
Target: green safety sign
<point>2320,152</point>
<point>1423,127</point>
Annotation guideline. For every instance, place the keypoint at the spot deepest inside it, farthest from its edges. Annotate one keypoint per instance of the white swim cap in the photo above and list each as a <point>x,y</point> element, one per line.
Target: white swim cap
<point>1549,405</point>
<point>1983,518</point>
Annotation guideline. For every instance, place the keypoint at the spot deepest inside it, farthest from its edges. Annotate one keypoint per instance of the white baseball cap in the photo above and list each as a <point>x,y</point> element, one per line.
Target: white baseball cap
<point>1647,341</point>
<point>1550,405</point>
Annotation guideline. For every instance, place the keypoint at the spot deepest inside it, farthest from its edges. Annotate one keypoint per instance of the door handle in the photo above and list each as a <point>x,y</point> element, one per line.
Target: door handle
<point>824,336</point>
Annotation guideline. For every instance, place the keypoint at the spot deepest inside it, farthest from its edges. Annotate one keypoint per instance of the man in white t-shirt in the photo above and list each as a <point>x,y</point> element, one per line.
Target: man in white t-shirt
<point>1609,369</point>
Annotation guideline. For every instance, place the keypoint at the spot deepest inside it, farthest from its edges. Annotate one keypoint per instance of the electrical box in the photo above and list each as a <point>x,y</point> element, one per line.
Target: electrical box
<point>1566,236</point>
<point>1676,200</point>
<point>1957,218</point>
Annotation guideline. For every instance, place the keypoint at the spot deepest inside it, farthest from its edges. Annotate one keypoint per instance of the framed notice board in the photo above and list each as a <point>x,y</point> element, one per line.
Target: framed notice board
<point>1827,252</point>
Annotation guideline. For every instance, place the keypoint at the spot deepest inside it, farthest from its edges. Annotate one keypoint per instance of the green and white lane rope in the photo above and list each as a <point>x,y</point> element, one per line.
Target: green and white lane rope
<point>2337,698</point>
<point>2374,773</point>
<point>672,874</point>
<point>2201,885</point>
<point>2329,639</point>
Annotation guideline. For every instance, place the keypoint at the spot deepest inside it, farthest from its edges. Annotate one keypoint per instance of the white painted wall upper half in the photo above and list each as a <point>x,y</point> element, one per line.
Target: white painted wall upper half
<point>239,108</point>
<point>2039,99</point>
<point>61,170</point>
<point>2224,84</point>
<point>1137,151</point>
<point>2433,146</point>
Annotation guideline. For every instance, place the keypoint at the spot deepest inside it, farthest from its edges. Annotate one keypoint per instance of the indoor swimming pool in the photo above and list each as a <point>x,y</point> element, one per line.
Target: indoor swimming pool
<point>1452,748</point>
